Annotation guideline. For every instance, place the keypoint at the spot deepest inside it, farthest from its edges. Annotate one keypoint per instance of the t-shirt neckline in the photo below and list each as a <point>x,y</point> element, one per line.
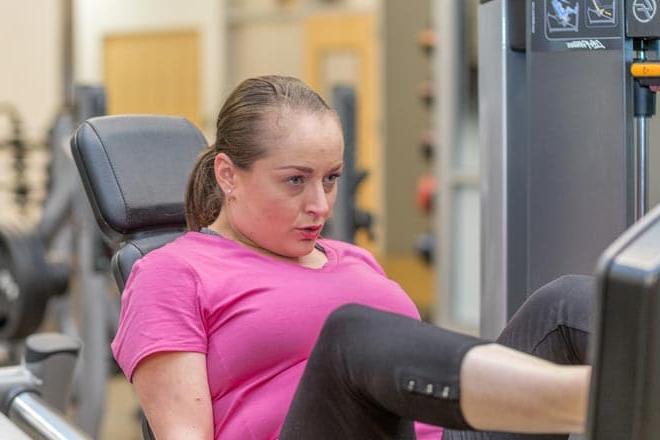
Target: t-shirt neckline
<point>329,251</point>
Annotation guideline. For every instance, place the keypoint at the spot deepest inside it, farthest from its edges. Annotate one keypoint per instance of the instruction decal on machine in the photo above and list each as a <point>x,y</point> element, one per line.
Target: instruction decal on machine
<point>644,10</point>
<point>558,25</point>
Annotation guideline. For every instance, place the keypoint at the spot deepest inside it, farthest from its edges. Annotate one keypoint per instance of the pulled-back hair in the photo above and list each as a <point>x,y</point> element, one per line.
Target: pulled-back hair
<point>240,133</point>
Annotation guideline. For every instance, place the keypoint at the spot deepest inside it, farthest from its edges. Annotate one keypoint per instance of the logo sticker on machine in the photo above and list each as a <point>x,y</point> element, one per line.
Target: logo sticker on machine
<point>558,25</point>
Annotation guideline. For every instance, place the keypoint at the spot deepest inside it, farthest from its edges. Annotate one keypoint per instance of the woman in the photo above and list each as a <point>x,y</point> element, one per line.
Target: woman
<point>216,327</point>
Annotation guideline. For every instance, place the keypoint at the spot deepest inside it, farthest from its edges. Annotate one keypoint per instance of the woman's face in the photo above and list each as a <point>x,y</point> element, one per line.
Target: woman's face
<point>282,202</point>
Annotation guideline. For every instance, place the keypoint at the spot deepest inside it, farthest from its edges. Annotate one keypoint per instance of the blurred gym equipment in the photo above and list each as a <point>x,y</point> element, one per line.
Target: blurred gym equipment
<point>53,274</point>
<point>34,393</point>
<point>54,271</point>
<point>347,218</point>
<point>564,153</point>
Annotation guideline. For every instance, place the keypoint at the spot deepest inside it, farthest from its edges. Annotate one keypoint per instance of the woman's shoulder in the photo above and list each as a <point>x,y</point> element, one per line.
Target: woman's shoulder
<point>190,259</point>
<point>342,246</point>
<point>182,252</point>
<point>348,251</point>
<point>168,256</point>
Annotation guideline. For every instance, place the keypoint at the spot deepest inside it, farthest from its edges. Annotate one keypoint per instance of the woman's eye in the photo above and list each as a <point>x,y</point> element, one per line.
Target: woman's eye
<point>332,178</point>
<point>296,180</point>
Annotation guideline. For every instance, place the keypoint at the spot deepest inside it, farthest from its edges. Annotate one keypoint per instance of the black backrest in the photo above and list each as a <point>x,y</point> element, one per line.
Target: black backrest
<point>136,248</point>
<point>134,170</point>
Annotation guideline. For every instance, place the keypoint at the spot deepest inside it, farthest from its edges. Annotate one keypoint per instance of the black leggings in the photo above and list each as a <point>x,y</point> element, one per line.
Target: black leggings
<point>371,373</point>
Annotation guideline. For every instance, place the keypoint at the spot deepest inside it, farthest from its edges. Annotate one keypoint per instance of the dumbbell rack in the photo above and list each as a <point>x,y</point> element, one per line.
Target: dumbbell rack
<point>15,184</point>
<point>426,184</point>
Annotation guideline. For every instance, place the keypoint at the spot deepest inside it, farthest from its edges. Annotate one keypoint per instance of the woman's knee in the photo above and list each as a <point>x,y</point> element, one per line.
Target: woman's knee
<point>554,320</point>
<point>343,326</point>
<point>346,323</point>
<point>567,290</point>
<point>352,335</point>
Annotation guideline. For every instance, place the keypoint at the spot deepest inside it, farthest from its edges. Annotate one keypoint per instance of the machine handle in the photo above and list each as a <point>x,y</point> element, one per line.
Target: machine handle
<point>645,69</point>
<point>35,417</point>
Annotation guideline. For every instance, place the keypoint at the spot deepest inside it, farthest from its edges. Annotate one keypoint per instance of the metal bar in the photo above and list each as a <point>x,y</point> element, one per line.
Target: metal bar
<point>449,77</point>
<point>93,289</point>
<point>641,166</point>
<point>40,421</point>
<point>641,156</point>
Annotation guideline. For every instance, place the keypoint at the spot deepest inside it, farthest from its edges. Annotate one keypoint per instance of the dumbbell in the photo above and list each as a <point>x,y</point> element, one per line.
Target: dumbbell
<point>426,40</point>
<point>425,247</point>
<point>426,92</point>
<point>426,186</point>
<point>27,281</point>
<point>427,145</point>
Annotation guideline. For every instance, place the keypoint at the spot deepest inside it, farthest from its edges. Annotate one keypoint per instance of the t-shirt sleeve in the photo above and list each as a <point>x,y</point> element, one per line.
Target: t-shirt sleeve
<point>369,259</point>
<point>160,311</point>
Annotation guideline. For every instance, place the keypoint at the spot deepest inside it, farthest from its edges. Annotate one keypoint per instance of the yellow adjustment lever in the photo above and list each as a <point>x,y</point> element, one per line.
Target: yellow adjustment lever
<point>647,69</point>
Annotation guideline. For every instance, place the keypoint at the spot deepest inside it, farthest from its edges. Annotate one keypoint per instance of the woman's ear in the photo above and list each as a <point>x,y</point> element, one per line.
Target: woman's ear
<point>225,172</point>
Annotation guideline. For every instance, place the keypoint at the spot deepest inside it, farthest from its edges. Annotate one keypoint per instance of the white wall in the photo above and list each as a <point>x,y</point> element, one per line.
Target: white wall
<point>30,70</point>
<point>261,7</point>
<point>265,47</point>
<point>97,18</point>
<point>266,36</point>
<point>30,44</point>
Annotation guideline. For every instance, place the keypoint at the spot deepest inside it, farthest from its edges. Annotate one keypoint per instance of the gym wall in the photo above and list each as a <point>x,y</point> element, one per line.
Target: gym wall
<point>30,77</point>
<point>97,20</point>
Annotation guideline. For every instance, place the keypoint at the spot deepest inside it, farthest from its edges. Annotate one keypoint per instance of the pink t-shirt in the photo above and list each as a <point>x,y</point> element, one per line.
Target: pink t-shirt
<point>255,318</point>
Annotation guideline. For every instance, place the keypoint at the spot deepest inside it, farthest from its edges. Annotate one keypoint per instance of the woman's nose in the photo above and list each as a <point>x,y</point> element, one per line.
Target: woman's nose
<point>318,203</point>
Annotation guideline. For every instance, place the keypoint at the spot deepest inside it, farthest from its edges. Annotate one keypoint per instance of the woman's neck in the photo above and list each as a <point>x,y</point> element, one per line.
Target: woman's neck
<point>222,226</point>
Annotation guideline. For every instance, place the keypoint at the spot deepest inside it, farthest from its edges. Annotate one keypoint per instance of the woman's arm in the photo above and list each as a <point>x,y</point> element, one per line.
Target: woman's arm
<point>174,394</point>
<point>506,390</point>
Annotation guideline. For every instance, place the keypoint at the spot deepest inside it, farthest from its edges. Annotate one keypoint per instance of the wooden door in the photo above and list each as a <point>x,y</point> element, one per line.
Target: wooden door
<point>156,72</point>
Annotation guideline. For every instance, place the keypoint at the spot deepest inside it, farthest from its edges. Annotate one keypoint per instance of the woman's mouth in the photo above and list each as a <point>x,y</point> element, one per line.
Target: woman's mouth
<point>310,232</point>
